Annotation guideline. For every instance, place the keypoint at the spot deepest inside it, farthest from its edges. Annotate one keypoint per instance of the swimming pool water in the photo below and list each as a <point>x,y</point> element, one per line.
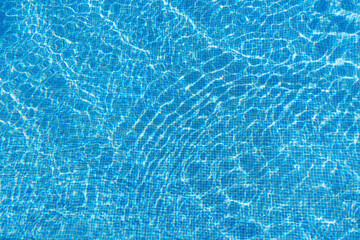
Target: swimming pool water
<point>179,119</point>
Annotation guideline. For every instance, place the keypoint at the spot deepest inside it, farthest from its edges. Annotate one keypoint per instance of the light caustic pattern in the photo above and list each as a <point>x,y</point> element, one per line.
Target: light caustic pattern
<point>175,119</point>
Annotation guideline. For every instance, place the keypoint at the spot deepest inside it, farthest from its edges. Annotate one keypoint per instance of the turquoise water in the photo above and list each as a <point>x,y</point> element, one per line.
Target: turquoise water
<point>179,119</point>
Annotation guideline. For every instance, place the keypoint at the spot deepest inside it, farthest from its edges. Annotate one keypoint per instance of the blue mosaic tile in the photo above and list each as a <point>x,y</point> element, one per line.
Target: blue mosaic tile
<point>179,119</point>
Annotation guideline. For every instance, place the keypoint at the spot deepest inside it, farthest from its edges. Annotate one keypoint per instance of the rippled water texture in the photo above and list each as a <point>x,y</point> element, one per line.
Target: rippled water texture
<point>170,119</point>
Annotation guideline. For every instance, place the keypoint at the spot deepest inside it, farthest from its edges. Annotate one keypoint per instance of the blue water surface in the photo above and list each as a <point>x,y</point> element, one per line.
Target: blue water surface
<point>180,119</point>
